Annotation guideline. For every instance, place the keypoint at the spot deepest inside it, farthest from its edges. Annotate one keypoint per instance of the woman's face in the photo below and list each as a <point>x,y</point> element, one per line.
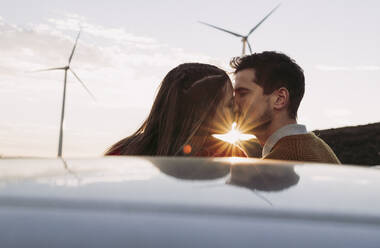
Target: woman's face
<point>224,117</point>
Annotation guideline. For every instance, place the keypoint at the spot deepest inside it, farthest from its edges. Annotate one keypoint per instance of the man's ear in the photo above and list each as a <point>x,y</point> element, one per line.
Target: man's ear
<point>281,98</point>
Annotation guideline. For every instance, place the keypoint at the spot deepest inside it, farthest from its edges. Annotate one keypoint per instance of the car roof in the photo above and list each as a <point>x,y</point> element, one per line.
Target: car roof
<point>192,183</point>
<point>186,202</point>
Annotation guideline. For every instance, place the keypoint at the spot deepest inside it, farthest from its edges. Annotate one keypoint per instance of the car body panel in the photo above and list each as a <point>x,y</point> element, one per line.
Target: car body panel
<point>171,202</point>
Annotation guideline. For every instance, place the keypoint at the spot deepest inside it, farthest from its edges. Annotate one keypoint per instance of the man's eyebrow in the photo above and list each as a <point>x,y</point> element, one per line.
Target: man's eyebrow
<point>241,89</point>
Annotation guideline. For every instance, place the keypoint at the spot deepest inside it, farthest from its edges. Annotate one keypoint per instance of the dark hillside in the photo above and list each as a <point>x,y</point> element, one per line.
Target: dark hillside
<point>358,145</point>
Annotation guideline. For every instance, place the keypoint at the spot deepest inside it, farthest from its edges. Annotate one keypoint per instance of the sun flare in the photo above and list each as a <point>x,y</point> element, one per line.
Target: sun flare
<point>234,135</point>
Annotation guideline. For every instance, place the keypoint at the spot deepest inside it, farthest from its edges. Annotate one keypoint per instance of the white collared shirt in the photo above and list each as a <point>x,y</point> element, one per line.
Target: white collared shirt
<point>287,130</point>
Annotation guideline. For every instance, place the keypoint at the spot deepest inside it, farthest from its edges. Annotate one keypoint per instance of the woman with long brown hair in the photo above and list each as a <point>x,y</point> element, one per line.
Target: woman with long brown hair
<point>194,101</point>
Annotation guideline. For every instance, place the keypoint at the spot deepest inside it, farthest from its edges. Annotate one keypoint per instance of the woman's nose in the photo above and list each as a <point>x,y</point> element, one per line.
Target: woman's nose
<point>236,111</point>
<point>236,107</point>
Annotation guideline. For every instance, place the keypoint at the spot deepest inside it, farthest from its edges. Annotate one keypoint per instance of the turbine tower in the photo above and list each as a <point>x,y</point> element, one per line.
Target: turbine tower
<point>244,38</point>
<point>67,68</point>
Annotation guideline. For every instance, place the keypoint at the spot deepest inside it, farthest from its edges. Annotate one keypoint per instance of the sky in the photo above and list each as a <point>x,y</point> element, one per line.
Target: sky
<point>126,48</point>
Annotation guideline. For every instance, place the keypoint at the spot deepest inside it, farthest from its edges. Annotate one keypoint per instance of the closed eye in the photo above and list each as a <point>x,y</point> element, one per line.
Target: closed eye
<point>241,92</point>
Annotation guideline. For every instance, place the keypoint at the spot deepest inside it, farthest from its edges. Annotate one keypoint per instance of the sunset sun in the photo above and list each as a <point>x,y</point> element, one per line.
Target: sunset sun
<point>234,135</point>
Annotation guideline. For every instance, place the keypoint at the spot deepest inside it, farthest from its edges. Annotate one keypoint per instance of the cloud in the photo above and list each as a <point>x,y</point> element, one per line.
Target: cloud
<point>75,22</point>
<point>339,116</point>
<point>337,112</point>
<point>122,69</point>
<point>348,68</point>
<point>119,60</point>
<point>332,68</point>
<point>367,68</point>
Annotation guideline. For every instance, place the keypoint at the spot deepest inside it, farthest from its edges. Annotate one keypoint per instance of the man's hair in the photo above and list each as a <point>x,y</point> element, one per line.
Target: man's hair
<point>273,71</point>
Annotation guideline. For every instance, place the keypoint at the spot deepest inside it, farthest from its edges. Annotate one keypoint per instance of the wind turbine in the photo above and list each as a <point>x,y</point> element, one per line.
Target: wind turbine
<point>67,68</point>
<point>244,38</point>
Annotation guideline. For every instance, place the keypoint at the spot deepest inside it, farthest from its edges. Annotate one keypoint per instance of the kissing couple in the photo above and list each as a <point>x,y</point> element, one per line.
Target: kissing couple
<point>197,100</point>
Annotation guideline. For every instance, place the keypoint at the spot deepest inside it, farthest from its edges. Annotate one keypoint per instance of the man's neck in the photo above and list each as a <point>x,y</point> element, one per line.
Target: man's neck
<point>263,135</point>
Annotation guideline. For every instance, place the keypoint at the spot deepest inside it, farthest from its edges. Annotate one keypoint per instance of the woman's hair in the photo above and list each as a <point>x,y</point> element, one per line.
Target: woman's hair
<point>184,105</point>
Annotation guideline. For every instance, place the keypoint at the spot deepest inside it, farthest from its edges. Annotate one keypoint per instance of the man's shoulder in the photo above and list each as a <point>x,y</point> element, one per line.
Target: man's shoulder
<point>303,147</point>
<point>302,141</point>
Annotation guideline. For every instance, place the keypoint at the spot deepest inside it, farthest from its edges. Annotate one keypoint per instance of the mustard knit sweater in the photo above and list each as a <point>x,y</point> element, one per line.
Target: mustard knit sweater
<point>303,147</point>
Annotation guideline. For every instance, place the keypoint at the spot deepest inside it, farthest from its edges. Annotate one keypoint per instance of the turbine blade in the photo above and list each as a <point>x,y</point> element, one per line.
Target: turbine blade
<point>222,29</point>
<point>75,45</point>
<point>249,46</point>
<point>84,86</point>
<point>50,69</point>
<point>258,24</point>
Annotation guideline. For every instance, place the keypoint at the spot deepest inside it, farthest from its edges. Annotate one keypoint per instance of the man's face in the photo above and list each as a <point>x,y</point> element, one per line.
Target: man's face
<point>253,108</point>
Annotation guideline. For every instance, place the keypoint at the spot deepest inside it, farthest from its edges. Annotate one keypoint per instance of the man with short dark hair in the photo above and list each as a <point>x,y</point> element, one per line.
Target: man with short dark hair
<point>269,87</point>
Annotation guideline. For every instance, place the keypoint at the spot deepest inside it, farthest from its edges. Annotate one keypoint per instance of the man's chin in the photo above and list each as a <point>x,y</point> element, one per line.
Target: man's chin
<point>255,127</point>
